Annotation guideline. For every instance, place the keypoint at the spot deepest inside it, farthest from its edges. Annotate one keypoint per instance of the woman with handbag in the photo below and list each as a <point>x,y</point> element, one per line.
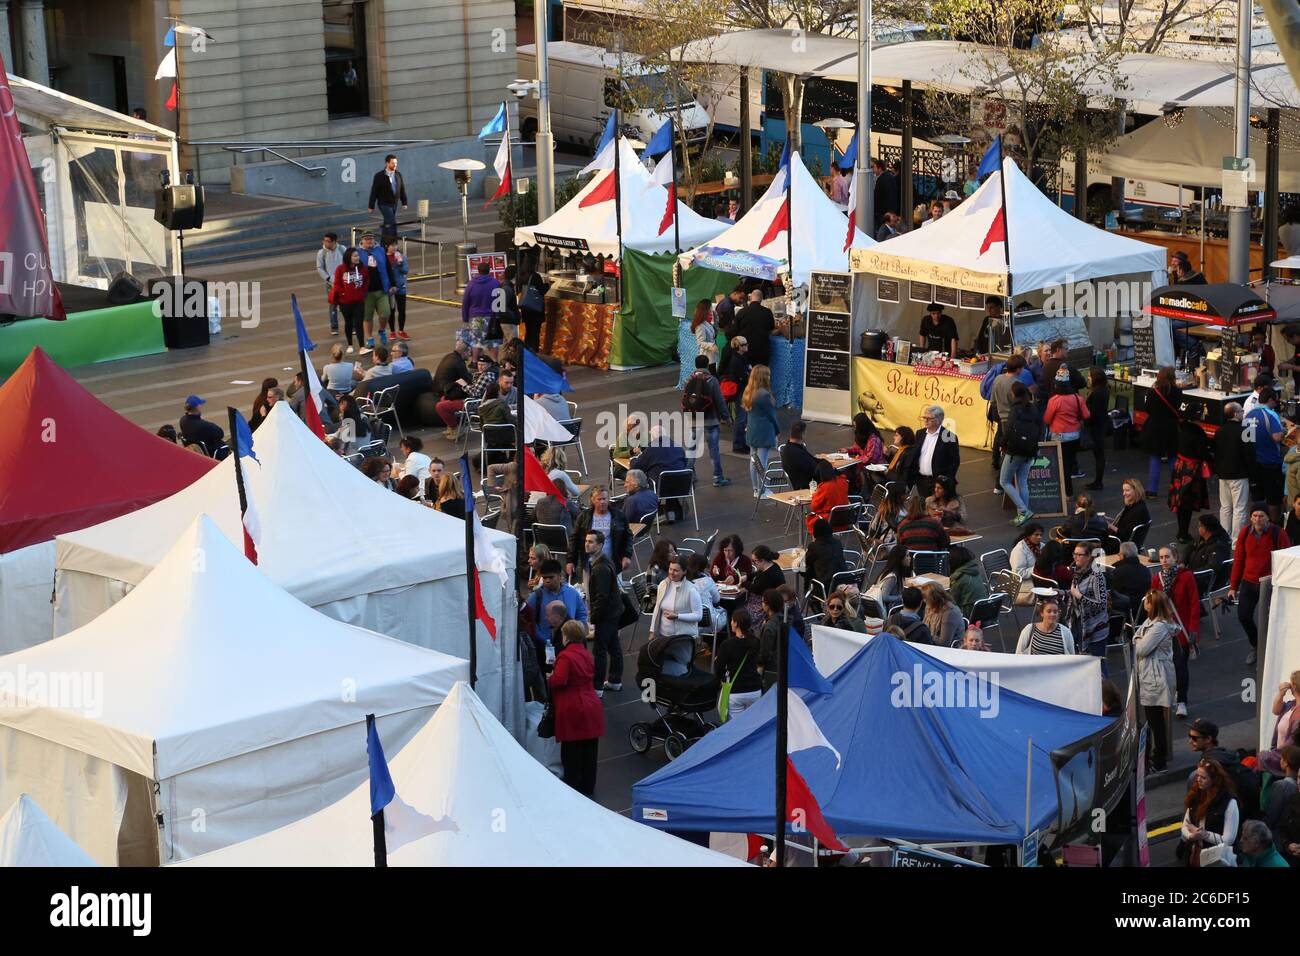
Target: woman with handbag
<point>1153,642</point>
<point>1211,818</point>
<point>1160,430</point>
<point>531,291</point>
<point>1064,417</point>
<point>579,715</point>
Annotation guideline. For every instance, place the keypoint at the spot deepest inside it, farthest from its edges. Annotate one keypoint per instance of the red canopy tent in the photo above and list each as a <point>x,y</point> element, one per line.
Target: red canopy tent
<point>68,461</point>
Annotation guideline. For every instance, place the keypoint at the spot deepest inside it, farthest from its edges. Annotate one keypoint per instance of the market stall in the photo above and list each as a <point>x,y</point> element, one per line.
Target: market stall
<point>795,233</point>
<point>893,394</point>
<point>1072,280</point>
<point>1213,368</point>
<point>619,209</point>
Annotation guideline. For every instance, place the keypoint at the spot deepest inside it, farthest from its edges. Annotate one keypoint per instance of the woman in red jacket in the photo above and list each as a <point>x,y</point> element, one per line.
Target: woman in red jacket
<point>351,282</point>
<point>1064,417</point>
<point>1180,585</point>
<point>832,489</point>
<point>579,716</point>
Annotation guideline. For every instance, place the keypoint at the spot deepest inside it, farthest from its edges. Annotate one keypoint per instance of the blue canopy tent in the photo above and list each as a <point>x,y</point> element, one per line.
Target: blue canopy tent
<point>921,773</point>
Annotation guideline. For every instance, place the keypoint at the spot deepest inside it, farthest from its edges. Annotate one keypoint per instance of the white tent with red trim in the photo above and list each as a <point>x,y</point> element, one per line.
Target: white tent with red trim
<point>587,222</point>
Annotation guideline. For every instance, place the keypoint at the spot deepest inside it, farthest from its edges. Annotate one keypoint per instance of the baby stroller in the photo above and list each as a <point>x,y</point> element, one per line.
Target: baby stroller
<point>680,694</point>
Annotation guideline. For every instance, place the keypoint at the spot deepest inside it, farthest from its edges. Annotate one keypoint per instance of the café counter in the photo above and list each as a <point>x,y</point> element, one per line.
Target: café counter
<point>894,394</point>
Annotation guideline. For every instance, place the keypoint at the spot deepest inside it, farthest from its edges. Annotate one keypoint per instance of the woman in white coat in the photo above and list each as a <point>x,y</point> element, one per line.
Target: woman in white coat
<point>1154,645</point>
<point>678,610</point>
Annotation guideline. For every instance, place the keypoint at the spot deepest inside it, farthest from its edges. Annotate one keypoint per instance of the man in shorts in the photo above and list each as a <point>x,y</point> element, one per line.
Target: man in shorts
<point>376,264</point>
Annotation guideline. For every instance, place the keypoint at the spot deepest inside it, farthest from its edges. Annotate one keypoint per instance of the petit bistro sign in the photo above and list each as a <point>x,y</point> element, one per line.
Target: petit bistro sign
<point>879,262</point>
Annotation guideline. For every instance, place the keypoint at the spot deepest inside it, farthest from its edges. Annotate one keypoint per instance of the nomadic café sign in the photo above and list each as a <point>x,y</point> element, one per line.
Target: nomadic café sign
<point>879,262</point>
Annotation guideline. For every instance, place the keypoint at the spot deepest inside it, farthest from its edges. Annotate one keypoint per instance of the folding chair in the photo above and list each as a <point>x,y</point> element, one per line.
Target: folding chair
<point>466,418</point>
<point>991,562</point>
<point>928,562</point>
<point>844,519</point>
<point>987,612</point>
<point>772,478</point>
<point>553,536</point>
<point>382,402</point>
<point>498,441</point>
<point>816,592</point>
<point>1218,591</point>
<point>1008,583</point>
<point>574,427</point>
<point>677,485</point>
<point>644,601</point>
<point>647,521</point>
<point>1139,534</point>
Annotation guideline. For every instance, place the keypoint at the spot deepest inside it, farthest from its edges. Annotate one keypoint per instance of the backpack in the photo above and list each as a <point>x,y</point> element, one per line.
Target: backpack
<point>1249,788</point>
<point>696,397</point>
<point>986,383</point>
<point>1023,434</point>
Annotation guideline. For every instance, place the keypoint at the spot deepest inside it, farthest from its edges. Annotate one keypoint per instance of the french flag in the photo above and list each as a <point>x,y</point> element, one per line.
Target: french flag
<point>252,523</point>
<point>502,166</point>
<point>536,478</point>
<point>485,557</point>
<point>781,221</point>
<point>402,823</point>
<point>313,406</point>
<point>801,806</point>
<point>853,209</point>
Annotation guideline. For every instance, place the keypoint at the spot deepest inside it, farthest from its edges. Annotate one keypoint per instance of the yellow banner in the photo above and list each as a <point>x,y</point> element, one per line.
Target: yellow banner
<point>880,262</point>
<point>894,395</point>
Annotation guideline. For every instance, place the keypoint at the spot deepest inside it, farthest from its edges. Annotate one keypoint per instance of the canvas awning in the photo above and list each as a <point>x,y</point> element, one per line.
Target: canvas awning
<point>1048,246</point>
<point>43,107</point>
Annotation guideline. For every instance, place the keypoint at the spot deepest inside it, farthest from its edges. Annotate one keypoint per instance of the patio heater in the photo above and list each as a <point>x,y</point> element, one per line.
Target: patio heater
<point>463,170</point>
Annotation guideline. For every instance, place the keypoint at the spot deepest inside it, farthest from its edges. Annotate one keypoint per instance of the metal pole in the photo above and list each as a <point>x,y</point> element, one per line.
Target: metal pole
<point>905,161</point>
<point>746,148</point>
<point>1239,217</point>
<point>1271,198</point>
<point>1081,174</point>
<point>545,141</point>
<point>782,732</point>
<point>862,168</point>
<point>377,821</point>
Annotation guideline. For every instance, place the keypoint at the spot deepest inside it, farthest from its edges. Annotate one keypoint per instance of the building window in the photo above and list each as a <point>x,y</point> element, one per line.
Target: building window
<point>346,74</point>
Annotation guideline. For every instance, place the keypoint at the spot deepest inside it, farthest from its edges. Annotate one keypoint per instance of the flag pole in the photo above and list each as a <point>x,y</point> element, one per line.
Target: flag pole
<point>1006,238</point>
<point>782,731</point>
<point>232,415</point>
<point>514,207</point>
<point>521,496</point>
<point>677,233</point>
<point>180,146</point>
<point>789,254</point>
<point>377,821</point>
<point>471,571</point>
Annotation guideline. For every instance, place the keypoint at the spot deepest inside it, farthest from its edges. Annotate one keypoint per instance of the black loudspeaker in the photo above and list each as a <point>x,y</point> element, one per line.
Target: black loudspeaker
<point>124,289</point>
<point>179,207</point>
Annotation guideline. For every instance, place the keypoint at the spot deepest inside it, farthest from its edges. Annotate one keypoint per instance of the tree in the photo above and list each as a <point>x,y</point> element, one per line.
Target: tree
<point>1144,27</point>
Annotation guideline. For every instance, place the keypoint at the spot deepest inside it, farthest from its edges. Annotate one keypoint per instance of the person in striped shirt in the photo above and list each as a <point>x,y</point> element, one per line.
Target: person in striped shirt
<point>1047,635</point>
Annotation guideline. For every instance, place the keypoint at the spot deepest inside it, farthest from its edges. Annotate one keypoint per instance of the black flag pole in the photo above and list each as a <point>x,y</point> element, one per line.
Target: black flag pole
<point>677,233</point>
<point>789,253</point>
<point>233,416</point>
<point>376,821</point>
<point>782,732</point>
<point>521,496</point>
<point>1006,236</point>
<point>471,570</point>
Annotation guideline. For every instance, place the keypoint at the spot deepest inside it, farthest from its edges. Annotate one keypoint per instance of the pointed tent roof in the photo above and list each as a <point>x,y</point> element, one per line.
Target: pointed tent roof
<point>464,765</point>
<point>820,227</point>
<point>1048,245</point>
<point>305,494</point>
<point>208,659</point>
<point>643,201</point>
<point>921,773</point>
<point>29,838</point>
<point>68,461</point>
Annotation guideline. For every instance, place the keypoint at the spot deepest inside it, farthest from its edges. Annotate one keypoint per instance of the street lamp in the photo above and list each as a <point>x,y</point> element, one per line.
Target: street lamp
<point>463,170</point>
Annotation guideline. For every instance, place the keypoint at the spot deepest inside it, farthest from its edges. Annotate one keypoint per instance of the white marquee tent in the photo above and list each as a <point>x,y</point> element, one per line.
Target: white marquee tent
<point>819,228</point>
<point>1190,151</point>
<point>330,537</point>
<point>1282,646</point>
<point>242,707</point>
<point>508,809</point>
<point>593,229</point>
<point>29,838</point>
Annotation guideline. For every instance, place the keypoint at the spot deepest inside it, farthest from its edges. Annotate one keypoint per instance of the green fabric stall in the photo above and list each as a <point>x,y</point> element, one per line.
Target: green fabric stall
<point>99,335</point>
<point>646,332</point>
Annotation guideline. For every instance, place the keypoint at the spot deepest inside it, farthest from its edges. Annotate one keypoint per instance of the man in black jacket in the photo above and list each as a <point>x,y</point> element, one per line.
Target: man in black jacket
<point>796,459</point>
<point>1130,579</point>
<point>885,192</point>
<point>736,370</point>
<point>194,428</point>
<point>756,323</point>
<point>618,541</point>
<point>937,452</point>
<point>605,606</point>
<point>1232,468</point>
<point>387,189</point>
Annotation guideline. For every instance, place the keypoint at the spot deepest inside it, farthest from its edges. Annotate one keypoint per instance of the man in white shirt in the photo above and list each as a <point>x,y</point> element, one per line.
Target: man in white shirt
<point>1262,381</point>
<point>938,452</point>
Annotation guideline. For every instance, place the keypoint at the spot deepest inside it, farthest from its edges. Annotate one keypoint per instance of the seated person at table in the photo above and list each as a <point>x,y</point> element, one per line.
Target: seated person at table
<point>549,510</point>
<point>942,616</point>
<point>938,331</point>
<point>799,463</point>
<point>825,556</point>
<point>630,438</point>
<point>555,405</point>
<point>973,639</point>
<point>1213,547</point>
<point>1024,555</point>
<point>656,569</point>
<point>901,455</point>
<point>554,461</point>
<point>1053,563</point>
<point>966,582</point>
<point>1086,523</point>
<point>193,427</point>
<point>832,491</point>
<point>918,531</point>
<point>1046,634</point>
<point>1130,579</point>
<point>1134,512</point>
<point>945,504</point>
<point>731,565</point>
<point>767,576</point>
<point>910,619</point>
<point>658,456</point>
<point>839,614</point>
<point>641,499</point>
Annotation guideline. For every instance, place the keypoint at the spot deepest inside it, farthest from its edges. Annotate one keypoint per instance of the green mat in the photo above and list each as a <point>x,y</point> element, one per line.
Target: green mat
<point>100,335</point>
<point>646,332</point>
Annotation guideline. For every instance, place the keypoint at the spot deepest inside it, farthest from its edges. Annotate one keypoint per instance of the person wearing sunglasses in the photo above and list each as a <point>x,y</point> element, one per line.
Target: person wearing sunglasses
<point>840,615</point>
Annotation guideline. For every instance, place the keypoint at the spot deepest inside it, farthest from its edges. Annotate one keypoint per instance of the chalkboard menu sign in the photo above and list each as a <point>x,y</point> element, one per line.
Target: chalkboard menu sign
<point>828,330</point>
<point>1047,481</point>
<point>1144,341</point>
<point>972,300</point>
<point>830,292</point>
<point>945,295</point>
<point>829,370</point>
<point>887,290</point>
<point>920,292</point>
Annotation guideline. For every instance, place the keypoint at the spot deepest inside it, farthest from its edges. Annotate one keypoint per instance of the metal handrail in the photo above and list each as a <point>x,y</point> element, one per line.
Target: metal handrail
<point>312,170</point>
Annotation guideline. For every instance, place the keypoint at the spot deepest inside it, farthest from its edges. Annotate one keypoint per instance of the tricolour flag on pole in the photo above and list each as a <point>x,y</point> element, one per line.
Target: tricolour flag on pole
<point>26,283</point>
<point>997,231</point>
<point>497,124</point>
<point>606,190</point>
<point>604,158</point>
<point>243,441</point>
<point>665,176</point>
<point>485,557</point>
<point>781,221</point>
<point>992,161</point>
<point>169,38</point>
<point>850,157</point>
<point>168,65</point>
<point>661,142</point>
<point>502,166</point>
<point>403,823</point>
<point>853,207</point>
<point>171,99</point>
<point>313,404</point>
<point>801,805</point>
<point>536,478</point>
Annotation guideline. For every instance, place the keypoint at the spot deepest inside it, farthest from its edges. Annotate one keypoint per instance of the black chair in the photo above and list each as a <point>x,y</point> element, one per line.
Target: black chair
<point>497,445</point>
<point>1139,534</point>
<point>992,562</point>
<point>928,562</point>
<point>677,485</point>
<point>553,536</point>
<point>987,613</point>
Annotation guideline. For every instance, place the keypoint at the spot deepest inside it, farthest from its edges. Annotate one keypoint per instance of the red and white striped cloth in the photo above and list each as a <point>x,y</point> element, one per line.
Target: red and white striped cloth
<point>936,370</point>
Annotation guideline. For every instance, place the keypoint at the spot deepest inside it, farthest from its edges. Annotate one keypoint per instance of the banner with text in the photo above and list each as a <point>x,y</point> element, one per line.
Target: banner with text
<point>894,395</point>
<point>828,349</point>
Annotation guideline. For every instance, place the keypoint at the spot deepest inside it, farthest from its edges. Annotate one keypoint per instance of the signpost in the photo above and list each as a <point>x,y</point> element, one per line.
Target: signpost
<point>1046,481</point>
<point>828,353</point>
